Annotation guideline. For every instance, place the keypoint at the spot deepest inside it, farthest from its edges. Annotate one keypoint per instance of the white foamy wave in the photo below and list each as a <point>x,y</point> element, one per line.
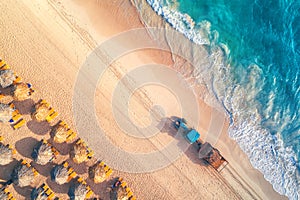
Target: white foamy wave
<point>267,154</point>
<point>183,23</point>
<point>265,151</point>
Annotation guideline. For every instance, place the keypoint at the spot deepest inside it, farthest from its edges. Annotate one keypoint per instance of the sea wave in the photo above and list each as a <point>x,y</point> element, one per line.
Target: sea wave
<point>266,151</point>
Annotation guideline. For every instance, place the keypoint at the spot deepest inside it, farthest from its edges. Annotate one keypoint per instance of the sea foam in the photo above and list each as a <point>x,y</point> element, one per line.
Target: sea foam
<point>266,151</point>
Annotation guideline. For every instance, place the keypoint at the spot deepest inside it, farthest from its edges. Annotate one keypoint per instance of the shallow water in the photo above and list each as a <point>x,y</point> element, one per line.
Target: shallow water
<point>257,78</point>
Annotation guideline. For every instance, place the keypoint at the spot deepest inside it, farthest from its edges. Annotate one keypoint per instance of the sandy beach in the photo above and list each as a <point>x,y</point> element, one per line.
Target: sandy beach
<point>48,41</point>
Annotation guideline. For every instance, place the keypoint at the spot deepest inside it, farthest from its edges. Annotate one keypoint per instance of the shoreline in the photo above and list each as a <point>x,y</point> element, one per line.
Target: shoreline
<point>87,26</point>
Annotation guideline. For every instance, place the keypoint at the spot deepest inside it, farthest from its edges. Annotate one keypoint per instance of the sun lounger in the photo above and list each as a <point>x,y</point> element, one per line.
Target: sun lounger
<point>48,191</point>
<point>19,124</point>
<point>16,116</point>
<point>9,195</point>
<point>3,65</point>
<point>18,79</point>
<point>90,192</point>
<point>17,120</point>
<point>52,115</point>
<point>43,192</point>
<point>23,162</point>
<point>71,173</point>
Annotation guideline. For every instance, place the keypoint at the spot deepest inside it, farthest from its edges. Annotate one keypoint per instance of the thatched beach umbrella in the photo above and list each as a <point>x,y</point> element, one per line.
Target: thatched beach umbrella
<point>78,191</point>
<point>43,153</point>
<point>41,112</point>
<point>22,91</point>
<point>43,193</point>
<point>80,152</point>
<point>118,194</point>
<point>38,194</point>
<point>99,172</point>
<point>5,112</point>
<point>7,78</point>
<point>6,154</point>
<point>62,173</point>
<point>23,175</point>
<point>60,133</point>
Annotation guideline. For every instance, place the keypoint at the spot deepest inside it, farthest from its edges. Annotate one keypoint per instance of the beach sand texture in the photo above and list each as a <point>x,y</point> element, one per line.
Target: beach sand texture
<point>46,42</point>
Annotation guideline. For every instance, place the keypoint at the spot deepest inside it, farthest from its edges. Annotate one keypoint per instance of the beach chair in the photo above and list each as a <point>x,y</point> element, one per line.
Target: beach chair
<point>71,134</point>
<point>24,162</point>
<point>16,116</point>
<point>8,145</point>
<point>125,187</point>
<point>17,80</point>
<point>89,151</point>
<point>17,120</point>
<point>3,65</point>
<point>55,152</point>
<point>8,194</point>
<point>2,96</point>
<point>71,173</point>
<point>50,194</point>
<point>89,190</point>
<point>108,171</point>
<point>19,124</point>
<point>52,115</point>
<point>43,192</point>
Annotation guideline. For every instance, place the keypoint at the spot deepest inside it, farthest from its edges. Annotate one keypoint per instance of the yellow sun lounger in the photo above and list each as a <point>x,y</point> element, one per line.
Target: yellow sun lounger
<point>107,169</point>
<point>89,151</point>
<point>90,192</point>
<point>19,124</point>
<point>9,195</point>
<point>17,120</point>
<point>3,65</point>
<point>71,173</point>
<point>9,146</point>
<point>52,115</point>
<point>23,162</point>
<point>18,79</point>
<point>71,134</point>
<point>50,194</point>
<point>16,116</point>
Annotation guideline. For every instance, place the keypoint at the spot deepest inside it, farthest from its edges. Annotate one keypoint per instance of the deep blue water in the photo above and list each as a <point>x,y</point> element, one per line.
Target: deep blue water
<point>262,84</point>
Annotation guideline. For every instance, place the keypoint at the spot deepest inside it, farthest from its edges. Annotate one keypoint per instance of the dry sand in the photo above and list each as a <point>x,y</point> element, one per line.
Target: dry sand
<point>46,42</point>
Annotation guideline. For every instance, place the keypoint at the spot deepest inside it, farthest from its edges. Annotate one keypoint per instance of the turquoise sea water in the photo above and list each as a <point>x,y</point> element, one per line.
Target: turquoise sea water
<point>259,83</point>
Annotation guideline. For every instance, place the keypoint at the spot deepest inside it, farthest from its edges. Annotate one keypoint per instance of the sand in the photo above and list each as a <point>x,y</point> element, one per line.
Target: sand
<point>46,43</point>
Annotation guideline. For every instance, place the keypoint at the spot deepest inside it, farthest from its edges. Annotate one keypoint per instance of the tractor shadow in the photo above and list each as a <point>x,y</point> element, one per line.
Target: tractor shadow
<point>168,125</point>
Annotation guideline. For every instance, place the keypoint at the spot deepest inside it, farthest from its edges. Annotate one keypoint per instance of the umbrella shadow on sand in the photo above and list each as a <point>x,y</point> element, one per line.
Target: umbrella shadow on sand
<point>167,125</point>
<point>39,128</point>
<point>25,146</point>
<point>25,107</point>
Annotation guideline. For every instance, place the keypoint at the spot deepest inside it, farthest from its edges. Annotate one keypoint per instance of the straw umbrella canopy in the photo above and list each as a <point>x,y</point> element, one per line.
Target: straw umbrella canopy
<point>60,174</point>
<point>42,153</point>
<point>6,154</point>
<point>7,78</point>
<point>5,112</point>
<point>22,91</point>
<point>22,175</point>
<point>78,191</point>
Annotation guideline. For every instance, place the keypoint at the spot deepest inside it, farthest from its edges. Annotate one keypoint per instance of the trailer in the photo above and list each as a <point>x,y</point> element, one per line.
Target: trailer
<point>206,151</point>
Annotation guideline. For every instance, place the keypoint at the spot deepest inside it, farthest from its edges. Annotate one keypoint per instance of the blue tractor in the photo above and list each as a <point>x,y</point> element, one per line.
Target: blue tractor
<point>190,134</point>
